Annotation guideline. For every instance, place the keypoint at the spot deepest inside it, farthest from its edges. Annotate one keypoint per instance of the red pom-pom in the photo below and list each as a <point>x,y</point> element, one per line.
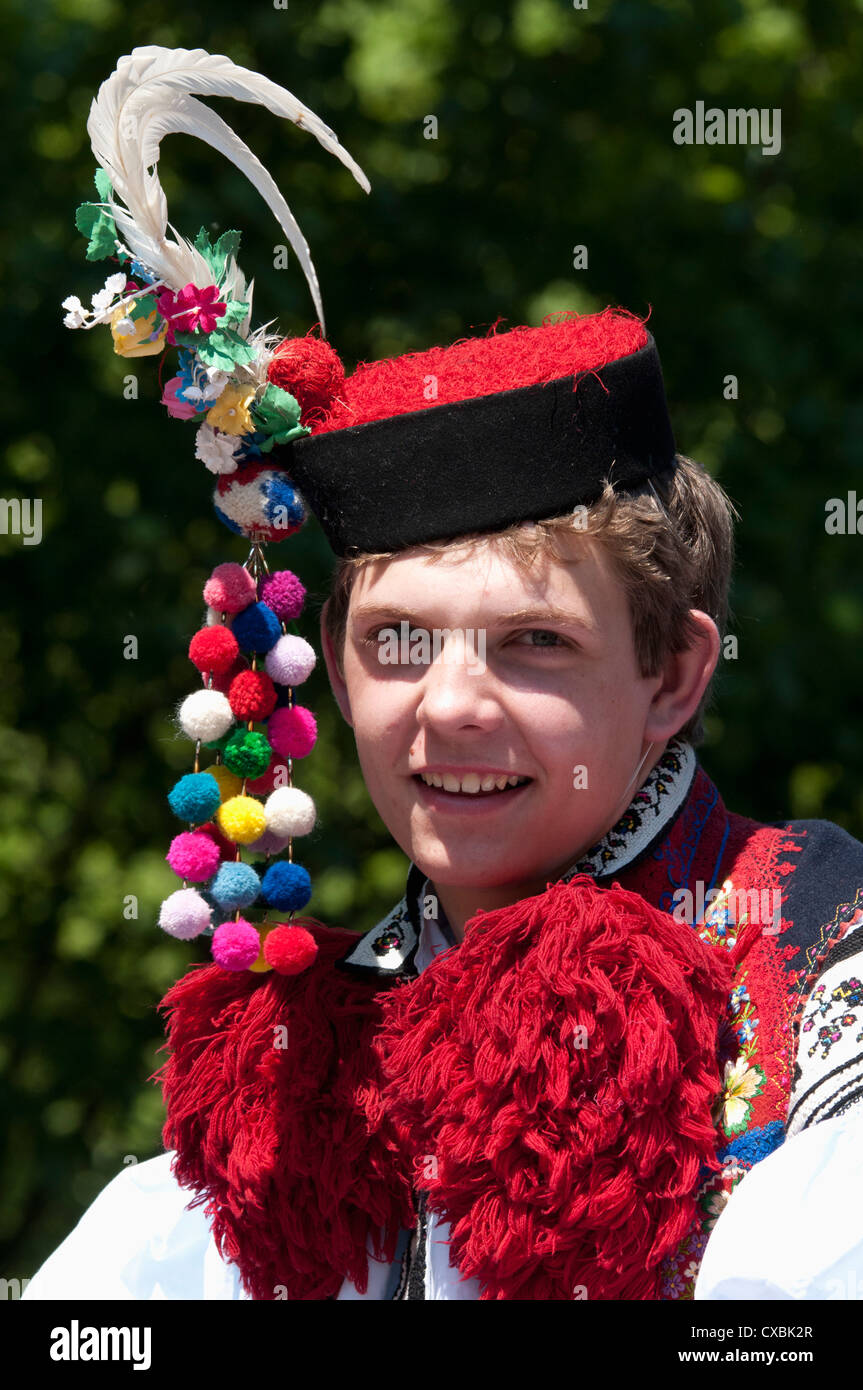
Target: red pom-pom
<point>252,695</point>
<point>311,370</point>
<point>290,949</point>
<point>213,649</point>
<point>223,680</point>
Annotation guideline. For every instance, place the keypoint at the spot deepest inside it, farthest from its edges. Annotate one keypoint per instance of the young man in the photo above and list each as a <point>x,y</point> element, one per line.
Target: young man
<point>605,1002</point>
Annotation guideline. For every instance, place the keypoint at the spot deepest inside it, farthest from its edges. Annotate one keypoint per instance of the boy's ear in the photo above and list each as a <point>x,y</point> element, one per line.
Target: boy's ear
<point>337,680</point>
<point>686,676</point>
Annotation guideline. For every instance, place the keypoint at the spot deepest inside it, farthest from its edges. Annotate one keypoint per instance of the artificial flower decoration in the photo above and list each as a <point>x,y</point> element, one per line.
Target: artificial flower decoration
<point>191,310</point>
<point>200,385</point>
<point>141,336</point>
<point>190,294</point>
<point>178,408</point>
<point>230,414</point>
<point>216,451</point>
<point>277,415</point>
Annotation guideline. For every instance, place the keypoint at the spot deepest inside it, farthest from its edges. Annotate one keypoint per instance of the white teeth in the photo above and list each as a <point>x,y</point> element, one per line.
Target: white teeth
<point>471,783</point>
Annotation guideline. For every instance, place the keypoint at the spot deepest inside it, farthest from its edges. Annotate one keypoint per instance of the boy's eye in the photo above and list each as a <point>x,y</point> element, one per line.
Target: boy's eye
<point>542,637</point>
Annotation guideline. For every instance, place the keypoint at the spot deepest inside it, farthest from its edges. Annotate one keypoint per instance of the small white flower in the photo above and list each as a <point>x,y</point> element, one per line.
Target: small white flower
<point>116,283</point>
<point>77,315</point>
<point>216,383</point>
<point>215,450</point>
<point>124,326</point>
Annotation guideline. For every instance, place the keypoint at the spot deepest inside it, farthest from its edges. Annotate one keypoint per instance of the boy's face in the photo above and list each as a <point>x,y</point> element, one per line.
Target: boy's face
<point>558,701</point>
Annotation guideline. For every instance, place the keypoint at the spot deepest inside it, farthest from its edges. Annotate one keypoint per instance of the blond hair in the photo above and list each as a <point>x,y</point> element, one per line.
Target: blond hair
<point>671,543</point>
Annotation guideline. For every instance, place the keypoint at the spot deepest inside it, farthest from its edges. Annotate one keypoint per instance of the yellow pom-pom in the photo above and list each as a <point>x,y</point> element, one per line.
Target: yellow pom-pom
<point>241,819</point>
<point>229,784</point>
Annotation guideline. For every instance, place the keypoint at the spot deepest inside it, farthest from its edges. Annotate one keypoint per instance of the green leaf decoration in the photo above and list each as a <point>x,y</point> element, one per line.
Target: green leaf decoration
<point>103,184</point>
<point>235,311</point>
<point>277,414</point>
<point>217,256</point>
<point>222,349</point>
<point>142,307</point>
<point>98,225</point>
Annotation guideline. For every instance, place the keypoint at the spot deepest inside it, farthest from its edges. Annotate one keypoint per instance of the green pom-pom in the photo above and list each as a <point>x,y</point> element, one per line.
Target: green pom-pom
<point>247,753</point>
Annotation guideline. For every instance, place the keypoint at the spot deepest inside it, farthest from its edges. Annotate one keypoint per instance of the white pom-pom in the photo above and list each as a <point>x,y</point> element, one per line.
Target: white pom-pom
<point>206,715</point>
<point>185,914</point>
<point>289,812</point>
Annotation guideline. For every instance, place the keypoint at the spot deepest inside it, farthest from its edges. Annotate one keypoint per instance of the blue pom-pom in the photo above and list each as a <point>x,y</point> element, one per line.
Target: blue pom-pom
<point>235,885</point>
<point>195,797</point>
<point>286,886</point>
<point>257,628</point>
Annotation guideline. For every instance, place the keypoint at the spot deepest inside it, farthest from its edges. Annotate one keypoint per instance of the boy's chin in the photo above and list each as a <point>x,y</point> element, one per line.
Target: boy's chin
<point>499,870</point>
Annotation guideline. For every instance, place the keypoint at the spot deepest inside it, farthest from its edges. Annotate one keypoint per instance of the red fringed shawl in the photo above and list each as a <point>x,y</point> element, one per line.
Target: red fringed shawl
<point>549,1084</point>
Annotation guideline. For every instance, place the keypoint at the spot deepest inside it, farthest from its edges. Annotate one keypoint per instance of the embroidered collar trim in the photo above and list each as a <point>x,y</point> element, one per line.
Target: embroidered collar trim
<point>389,949</point>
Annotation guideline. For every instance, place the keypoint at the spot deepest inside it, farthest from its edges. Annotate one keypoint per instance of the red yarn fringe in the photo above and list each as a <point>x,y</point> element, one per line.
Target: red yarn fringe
<point>563,1159</point>
<point>274,1137</point>
<point>561,1167</point>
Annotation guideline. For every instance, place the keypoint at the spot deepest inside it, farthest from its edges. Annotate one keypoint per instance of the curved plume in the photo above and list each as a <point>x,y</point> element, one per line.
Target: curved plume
<point>152,94</point>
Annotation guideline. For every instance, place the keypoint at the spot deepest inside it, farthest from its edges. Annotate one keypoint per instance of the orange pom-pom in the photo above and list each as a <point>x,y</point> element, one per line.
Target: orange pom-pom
<point>311,370</point>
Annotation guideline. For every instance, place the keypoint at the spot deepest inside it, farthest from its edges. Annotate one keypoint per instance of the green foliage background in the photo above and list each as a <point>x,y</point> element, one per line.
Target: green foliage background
<point>554,130</point>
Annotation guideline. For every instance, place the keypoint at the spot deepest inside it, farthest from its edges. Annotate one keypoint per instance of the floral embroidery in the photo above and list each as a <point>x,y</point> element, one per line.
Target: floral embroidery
<point>680,1270</point>
<point>742,1084</point>
<point>714,1195</point>
<point>847,995</point>
<point>664,790</point>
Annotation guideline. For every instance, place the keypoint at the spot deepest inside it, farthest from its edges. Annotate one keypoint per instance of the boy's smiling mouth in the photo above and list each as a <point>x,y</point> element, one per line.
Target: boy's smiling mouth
<point>475,783</point>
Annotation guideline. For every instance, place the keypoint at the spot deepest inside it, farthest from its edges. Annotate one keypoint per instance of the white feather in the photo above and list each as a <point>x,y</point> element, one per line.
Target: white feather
<point>152,94</point>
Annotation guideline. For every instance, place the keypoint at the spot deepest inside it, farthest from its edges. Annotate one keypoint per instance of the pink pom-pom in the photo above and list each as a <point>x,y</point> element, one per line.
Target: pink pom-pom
<point>290,949</point>
<point>292,731</point>
<point>290,661</point>
<point>194,856</point>
<point>236,945</point>
<point>283,592</point>
<point>230,588</point>
<point>184,914</point>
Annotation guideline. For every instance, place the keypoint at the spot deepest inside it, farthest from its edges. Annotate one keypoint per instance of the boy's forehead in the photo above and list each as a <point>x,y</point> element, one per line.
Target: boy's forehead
<point>486,575</point>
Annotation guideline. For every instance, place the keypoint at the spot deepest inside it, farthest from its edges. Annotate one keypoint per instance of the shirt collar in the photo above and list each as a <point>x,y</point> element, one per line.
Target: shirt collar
<point>388,951</point>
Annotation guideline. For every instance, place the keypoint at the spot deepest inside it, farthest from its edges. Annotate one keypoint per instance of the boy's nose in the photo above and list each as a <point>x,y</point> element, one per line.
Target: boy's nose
<point>456,689</point>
